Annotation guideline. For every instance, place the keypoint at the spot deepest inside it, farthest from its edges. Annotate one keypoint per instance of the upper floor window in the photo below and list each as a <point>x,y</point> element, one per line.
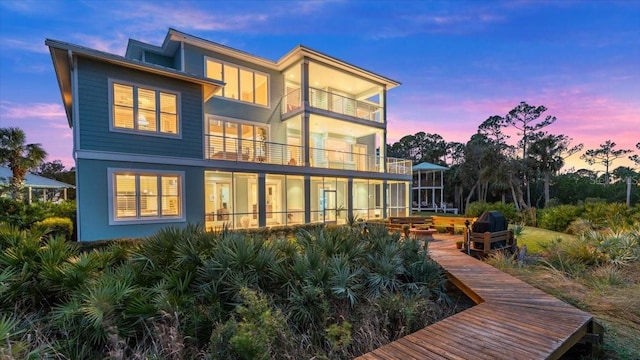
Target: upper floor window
<point>241,84</point>
<point>144,109</point>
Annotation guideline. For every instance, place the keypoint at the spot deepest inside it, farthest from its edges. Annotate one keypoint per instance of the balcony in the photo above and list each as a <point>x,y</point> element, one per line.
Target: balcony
<point>336,103</point>
<point>241,150</point>
<point>234,149</point>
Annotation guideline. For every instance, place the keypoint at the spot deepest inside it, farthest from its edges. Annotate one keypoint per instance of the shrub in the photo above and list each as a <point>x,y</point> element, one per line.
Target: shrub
<point>509,211</point>
<point>56,226</point>
<point>558,218</point>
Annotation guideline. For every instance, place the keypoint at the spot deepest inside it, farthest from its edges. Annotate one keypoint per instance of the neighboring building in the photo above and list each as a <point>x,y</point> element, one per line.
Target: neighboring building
<point>38,188</point>
<point>194,131</point>
<point>428,188</point>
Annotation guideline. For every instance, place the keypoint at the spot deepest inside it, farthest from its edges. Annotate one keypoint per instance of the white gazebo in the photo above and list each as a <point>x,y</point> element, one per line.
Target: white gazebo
<point>32,182</point>
<point>428,188</point>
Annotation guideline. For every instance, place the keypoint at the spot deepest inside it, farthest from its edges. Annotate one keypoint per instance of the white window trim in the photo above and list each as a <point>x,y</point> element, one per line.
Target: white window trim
<point>239,67</point>
<point>157,133</point>
<point>111,172</point>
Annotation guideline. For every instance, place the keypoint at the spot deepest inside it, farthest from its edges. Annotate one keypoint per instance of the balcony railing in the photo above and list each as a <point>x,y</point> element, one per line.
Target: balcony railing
<point>399,166</point>
<point>344,105</point>
<point>246,150</point>
<point>291,101</point>
<point>333,102</point>
<point>234,149</point>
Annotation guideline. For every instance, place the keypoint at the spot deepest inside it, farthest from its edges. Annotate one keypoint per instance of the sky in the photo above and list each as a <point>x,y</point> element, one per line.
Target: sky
<point>459,62</point>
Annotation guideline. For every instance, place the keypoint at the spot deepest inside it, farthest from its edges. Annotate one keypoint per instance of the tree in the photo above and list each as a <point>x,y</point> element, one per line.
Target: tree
<point>524,118</point>
<point>604,155</point>
<point>636,158</point>
<point>19,157</point>
<point>50,169</point>
<point>547,153</point>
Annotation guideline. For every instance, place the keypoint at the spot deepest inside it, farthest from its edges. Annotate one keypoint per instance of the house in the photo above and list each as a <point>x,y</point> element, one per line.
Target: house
<point>38,187</point>
<point>195,131</point>
<point>428,188</point>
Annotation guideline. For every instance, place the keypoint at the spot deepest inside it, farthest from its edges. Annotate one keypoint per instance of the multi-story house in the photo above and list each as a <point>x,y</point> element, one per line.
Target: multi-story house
<point>194,131</point>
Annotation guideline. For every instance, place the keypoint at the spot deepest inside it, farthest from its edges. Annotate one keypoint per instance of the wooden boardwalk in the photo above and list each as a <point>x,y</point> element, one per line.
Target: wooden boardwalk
<point>512,320</point>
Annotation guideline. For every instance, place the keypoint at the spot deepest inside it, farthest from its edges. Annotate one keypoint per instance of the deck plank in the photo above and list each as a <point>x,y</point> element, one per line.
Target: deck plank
<point>512,319</point>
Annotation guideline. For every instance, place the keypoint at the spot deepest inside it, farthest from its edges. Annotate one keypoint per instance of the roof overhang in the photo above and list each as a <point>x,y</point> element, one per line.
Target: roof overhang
<point>62,54</point>
<point>298,53</point>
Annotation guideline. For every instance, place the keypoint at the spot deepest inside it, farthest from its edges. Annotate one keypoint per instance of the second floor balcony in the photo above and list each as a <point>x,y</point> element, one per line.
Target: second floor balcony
<point>266,152</point>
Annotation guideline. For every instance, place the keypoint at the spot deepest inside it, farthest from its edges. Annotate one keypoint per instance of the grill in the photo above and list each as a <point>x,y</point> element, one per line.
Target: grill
<point>490,221</point>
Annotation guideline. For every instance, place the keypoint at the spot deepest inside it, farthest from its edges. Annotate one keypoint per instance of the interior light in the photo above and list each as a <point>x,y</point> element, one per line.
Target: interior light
<point>291,76</point>
<point>142,121</point>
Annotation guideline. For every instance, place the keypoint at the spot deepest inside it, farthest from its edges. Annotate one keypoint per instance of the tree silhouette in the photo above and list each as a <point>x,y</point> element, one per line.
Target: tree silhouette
<point>604,155</point>
<point>19,157</point>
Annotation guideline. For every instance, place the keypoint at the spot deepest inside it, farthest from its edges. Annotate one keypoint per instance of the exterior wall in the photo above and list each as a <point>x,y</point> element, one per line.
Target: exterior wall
<point>94,119</point>
<point>93,200</point>
<point>158,59</point>
<point>194,63</point>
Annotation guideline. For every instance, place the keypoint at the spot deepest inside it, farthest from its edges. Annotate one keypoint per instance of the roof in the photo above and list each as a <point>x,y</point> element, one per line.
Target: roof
<point>299,52</point>
<point>35,181</point>
<point>429,166</point>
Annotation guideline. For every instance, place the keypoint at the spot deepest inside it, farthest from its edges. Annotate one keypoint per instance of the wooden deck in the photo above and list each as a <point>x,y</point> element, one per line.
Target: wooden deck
<point>512,320</point>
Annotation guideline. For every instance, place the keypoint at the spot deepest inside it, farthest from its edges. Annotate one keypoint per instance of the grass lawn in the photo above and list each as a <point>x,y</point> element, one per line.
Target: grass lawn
<point>534,237</point>
<point>611,294</point>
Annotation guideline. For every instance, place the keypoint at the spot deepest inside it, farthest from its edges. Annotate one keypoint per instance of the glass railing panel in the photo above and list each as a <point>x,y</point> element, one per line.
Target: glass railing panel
<point>325,100</point>
<point>292,101</point>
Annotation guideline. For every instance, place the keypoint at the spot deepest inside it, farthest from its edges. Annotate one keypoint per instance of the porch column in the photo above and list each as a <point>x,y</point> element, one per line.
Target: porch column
<point>307,199</point>
<point>350,197</point>
<point>385,197</point>
<point>262,201</point>
<point>304,98</point>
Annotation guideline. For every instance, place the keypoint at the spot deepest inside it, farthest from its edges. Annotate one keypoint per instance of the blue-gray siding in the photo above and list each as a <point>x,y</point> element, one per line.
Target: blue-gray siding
<point>93,200</point>
<point>94,119</point>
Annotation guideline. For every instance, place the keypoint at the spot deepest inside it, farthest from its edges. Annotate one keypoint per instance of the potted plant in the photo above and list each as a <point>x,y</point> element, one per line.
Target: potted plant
<point>459,244</point>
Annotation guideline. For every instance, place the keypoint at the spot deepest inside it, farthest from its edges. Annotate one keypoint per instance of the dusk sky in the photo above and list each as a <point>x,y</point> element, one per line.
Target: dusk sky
<point>459,62</point>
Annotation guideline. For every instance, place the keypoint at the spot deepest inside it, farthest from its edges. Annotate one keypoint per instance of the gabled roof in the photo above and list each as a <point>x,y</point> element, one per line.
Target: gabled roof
<point>429,166</point>
<point>35,181</point>
<point>299,52</point>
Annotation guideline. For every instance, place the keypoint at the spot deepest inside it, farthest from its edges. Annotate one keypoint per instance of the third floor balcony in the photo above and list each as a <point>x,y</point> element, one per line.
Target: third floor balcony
<point>334,102</point>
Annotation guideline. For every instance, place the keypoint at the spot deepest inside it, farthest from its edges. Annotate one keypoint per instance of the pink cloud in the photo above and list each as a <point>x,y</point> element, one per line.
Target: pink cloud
<point>44,124</point>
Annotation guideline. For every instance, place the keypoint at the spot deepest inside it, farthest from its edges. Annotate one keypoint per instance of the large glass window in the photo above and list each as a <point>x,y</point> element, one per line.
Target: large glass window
<point>328,199</point>
<point>231,199</point>
<point>367,198</point>
<point>236,141</point>
<point>145,195</point>
<point>284,196</point>
<point>241,84</point>
<point>144,109</point>
<point>398,198</point>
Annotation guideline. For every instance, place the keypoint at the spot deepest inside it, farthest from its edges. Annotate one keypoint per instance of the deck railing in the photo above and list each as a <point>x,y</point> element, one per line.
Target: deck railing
<point>340,104</point>
<point>326,100</point>
<point>247,150</point>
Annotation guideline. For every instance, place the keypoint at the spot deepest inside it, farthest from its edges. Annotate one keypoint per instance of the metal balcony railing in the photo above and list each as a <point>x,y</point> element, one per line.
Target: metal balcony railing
<point>234,149</point>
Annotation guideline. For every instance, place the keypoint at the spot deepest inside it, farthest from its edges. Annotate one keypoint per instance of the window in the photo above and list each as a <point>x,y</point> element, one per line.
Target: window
<point>145,196</point>
<point>241,84</point>
<point>144,109</point>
